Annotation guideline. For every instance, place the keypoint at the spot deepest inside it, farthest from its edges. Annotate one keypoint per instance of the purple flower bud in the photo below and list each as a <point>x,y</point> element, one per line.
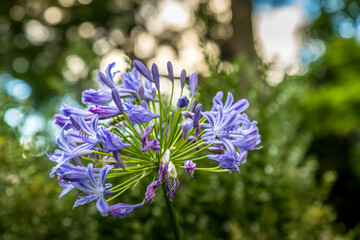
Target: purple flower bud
<point>150,190</point>
<point>190,167</point>
<point>185,130</point>
<point>193,79</point>
<point>105,80</point>
<point>105,111</point>
<point>141,92</point>
<point>137,114</point>
<point>182,78</point>
<point>183,102</point>
<point>75,121</point>
<point>153,93</point>
<point>143,70</point>
<point>121,210</point>
<point>117,100</point>
<point>154,145</point>
<point>144,104</point>
<point>197,115</point>
<point>118,159</point>
<point>156,75</point>
<point>170,71</point>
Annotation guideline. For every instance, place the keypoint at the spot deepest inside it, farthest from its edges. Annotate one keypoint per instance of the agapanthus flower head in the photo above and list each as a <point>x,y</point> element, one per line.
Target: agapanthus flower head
<point>127,134</point>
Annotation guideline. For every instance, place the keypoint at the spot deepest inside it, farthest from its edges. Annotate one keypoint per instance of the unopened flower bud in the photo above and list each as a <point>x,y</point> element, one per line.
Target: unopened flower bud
<point>156,75</point>
<point>182,78</point>
<point>183,102</point>
<point>193,79</point>
<point>117,100</point>
<point>143,70</point>
<point>170,71</point>
<point>197,115</point>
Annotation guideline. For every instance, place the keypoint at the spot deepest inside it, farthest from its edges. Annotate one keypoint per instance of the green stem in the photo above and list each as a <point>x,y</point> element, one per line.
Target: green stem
<point>172,215</point>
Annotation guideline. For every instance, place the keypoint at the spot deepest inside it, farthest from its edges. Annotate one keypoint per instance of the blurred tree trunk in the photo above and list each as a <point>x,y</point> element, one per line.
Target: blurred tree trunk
<point>242,41</point>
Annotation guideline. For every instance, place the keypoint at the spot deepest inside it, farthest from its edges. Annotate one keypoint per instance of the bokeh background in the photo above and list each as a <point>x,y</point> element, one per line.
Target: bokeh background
<point>296,61</point>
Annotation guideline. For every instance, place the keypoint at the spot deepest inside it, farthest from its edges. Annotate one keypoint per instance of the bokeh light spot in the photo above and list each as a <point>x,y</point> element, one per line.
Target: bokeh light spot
<point>53,15</point>
<point>13,117</point>
<point>20,65</point>
<point>18,89</point>
<point>17,13</point>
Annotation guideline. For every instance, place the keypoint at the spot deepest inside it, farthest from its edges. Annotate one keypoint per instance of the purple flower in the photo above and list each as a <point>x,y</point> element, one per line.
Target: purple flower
<point>113,144</point>
<point>229,107</point>
<point>70,173</point>
<point>221,126</point>
<point>231,159</point>
<point>121,210</point>
<point>88,133</point>
<point>131,80</point>
<point>183,102</point>
<point>108,79</point>
<point>155,145</point>
<point>94,190</point>
<point>132,83</point>
<point>251,131</point>
<point>111,141</point>
<point>219,96</point>
<point>67,152</point>
<point>190,167</point>
<point>63,121</point>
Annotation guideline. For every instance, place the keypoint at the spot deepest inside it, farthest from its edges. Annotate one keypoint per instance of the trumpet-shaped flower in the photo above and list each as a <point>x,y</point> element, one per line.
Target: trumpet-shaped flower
<point>94,190</point>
